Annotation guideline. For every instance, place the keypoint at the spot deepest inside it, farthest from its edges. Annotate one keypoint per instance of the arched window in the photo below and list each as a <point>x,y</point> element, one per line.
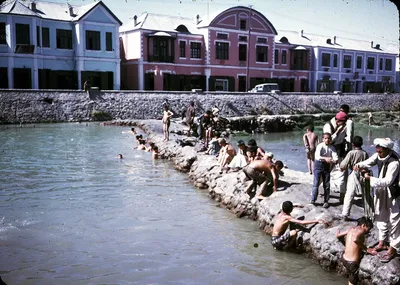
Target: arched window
<point>182,29</point>
<point>284,40</point>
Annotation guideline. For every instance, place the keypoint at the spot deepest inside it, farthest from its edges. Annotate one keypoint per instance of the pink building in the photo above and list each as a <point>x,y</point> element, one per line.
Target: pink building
<point>233,51</point>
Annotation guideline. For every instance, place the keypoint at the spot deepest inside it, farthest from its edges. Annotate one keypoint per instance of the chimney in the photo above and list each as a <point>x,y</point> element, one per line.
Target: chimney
<point>197,19</point>
<point>378,46</point>
<point>372,44</point>
<point>334,40</point>
<point>135,20</point>
<point>301,33</point>
<point>33,6</point>
<point>71,10</point>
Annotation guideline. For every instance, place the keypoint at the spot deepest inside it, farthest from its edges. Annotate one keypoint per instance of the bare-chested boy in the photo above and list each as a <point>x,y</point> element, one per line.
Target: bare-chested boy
<point>310,140</point>
<point>282,238</point>
<point>155,153</point>
<point>263,172</point>
<point>354,246</point>
<point>226,153</point>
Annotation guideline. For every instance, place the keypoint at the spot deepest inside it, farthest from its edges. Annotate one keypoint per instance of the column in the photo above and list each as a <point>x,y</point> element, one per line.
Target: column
<point>117,76</point>
<point>79,55</point>
<point>207,73</point>
<point>140,78</point>
<point>10,41</point>
<point>35,72</point>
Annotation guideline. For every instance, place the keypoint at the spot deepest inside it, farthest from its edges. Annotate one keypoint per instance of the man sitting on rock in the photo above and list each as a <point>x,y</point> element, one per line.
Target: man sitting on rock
<point>226,153</point>
<point>264,173</point>
<point>354,246</point>
<point>283,237</point>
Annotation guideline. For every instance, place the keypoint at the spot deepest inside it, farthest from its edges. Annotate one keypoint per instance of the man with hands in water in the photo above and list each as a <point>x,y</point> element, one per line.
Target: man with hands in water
<point>354,246</point>
<point>282,237</point>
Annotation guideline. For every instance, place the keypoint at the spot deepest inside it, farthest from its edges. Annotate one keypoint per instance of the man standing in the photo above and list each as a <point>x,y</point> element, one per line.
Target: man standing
<point>325,157</point>
<point>354,183</point>
<point>347,137</point>
<point>387,195</point>
<point>339,133</point>
<point>190,113</point>
<point>310,140</point>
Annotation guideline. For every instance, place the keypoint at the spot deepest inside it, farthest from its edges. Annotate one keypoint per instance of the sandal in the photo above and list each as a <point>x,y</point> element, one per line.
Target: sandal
<point>387,257</point>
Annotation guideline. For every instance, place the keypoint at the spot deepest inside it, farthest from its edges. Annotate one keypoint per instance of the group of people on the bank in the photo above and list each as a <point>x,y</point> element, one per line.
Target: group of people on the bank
<point>337,160</point>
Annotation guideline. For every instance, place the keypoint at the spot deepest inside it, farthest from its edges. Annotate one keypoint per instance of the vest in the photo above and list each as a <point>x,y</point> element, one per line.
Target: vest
<point>394,187</point>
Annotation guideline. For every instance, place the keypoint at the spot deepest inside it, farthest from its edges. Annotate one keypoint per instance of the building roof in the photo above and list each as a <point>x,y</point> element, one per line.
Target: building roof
<point>51,10</point>
<point>159,22</point>
<point>307,39</point>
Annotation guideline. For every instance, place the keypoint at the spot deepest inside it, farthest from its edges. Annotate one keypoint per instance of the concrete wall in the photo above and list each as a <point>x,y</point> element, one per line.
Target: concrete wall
<point>30,106</point>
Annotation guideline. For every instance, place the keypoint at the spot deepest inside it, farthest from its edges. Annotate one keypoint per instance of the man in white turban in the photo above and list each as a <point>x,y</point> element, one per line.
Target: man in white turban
<point>387,195</point>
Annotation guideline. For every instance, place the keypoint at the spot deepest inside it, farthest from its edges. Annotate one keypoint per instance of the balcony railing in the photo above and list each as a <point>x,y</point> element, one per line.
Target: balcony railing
<point>160,58</point>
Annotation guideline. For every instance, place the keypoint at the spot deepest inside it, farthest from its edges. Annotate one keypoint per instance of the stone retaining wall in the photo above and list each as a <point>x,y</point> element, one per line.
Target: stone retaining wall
<point>32,106</point>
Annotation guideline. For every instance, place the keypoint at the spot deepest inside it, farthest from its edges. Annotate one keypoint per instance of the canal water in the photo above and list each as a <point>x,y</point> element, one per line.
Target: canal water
<point>72,213</point>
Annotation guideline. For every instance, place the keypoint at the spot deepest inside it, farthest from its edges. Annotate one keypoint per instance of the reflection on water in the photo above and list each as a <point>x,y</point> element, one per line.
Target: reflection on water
<point>72,213</point>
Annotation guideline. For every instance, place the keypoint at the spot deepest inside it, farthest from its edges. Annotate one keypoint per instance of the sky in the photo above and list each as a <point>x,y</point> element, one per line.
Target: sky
<point>371,20</point>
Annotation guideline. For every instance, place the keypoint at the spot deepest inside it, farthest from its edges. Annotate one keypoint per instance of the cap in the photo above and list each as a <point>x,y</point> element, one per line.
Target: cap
<point>240,142</point>
<point>341,116</point>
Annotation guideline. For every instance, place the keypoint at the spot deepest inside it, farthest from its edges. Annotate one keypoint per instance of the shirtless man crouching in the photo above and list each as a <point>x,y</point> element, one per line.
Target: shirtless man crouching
<point>262,172</point>
<point>282,236</point>
<point>354,246</point>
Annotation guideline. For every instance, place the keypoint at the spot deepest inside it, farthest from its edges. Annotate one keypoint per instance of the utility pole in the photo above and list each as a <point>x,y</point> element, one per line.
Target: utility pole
<point>248,49</point>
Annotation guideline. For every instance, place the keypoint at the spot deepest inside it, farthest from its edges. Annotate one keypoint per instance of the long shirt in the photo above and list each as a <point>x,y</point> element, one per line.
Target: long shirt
<point>324,150</point>
<point>391,173</point>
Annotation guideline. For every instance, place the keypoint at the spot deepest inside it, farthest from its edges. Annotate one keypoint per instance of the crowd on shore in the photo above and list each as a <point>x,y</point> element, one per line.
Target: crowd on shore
<point>337,161</point>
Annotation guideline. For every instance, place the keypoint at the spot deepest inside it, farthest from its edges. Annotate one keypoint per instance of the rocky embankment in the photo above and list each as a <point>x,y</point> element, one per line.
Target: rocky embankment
<point>320,243</point>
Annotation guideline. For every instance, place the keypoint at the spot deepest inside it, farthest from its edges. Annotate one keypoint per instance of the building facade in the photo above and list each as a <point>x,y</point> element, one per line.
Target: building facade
<point>46,45</point>
<point>232,51</point>
<point>238,48</point>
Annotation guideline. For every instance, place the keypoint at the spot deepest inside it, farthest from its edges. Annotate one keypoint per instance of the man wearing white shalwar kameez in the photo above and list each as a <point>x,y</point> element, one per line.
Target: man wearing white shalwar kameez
<point>387,200</point>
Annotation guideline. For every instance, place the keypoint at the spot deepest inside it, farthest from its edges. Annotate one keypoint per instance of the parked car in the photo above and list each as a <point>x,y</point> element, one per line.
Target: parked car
<point>266,87</point>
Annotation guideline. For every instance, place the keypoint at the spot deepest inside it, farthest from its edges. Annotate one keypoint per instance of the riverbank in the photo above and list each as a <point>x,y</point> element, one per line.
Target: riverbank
<point>320,243</point>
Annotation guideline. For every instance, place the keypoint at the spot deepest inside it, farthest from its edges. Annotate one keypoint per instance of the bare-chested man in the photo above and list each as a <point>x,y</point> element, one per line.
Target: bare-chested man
<point>354,246</point>
<point>282,238</point>
<point>310,140</point>
<point>226,153</point>
<point>265,173</point>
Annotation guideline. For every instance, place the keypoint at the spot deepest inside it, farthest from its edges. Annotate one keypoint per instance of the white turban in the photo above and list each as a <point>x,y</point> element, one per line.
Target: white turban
<point>384,142</point>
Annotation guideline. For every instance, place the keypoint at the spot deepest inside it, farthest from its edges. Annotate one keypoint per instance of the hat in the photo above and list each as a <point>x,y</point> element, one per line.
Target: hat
<point>341,116</point>
<point>384,142</point>
<point>240,142</point>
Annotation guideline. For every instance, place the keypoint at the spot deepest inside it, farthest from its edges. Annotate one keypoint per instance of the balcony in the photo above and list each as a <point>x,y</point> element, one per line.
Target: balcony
<point>160,58</point>
<point>26,49</point>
